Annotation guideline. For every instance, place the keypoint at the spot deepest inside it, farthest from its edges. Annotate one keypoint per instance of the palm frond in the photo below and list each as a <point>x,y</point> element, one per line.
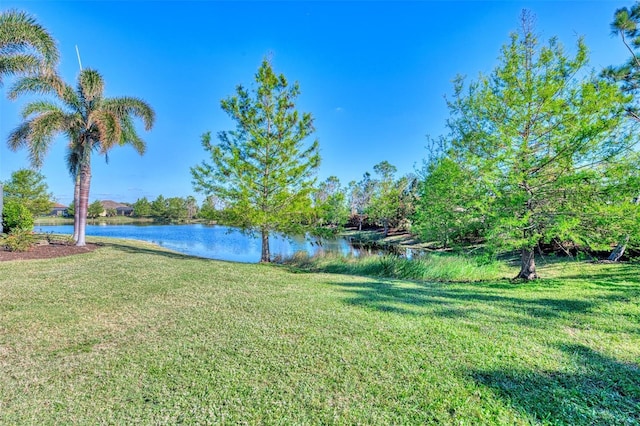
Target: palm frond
<point>19,137</point>
<point>90,85</point>
<point>109,131</point>
<point>21,36</point>
<point>42,130</point>
<point>130,136</point>
<point>130,106</point>
<point>11,64</point>
<point>50,84</point>
<point>70,98</point>
<point>39,107</point>
<point>31,135</point>
<point>72,160</point>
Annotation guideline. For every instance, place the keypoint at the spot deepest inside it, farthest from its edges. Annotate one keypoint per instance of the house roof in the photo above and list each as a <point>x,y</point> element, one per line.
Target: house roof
<point>59,206</point>
<point>108,204</point>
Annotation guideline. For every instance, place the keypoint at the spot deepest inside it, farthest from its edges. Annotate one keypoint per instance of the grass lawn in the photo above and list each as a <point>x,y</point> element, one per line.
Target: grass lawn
<point>133,334</point>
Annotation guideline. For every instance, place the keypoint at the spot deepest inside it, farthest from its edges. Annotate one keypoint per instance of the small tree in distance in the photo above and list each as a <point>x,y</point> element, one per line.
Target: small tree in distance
<point>360,197</point>
<point>95,209</point>
<point>262,171</point>
<point>385,200</point>
<point>330,204</point>
<point>142,207</point>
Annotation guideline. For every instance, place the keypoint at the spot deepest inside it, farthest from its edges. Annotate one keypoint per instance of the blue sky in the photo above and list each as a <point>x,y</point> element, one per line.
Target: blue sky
<point>373,74</point>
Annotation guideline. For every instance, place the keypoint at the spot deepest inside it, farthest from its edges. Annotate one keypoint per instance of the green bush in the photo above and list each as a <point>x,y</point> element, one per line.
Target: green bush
<point>19,240</point>
<point>16,215</point>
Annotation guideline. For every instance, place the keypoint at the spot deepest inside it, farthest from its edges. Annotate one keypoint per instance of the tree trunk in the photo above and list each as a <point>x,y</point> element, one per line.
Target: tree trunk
<point>266,256</point>
<point>385,224</point>
<point>83,202</point>
<point>527,265</point>
<point>1,207</point>
<point>617,253</point>
<point>76,208</point>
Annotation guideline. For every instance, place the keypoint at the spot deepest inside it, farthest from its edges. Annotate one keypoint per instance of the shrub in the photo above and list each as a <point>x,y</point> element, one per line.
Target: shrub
<point>56,238</point>
<point>16,215</point>
<point>19,240</point>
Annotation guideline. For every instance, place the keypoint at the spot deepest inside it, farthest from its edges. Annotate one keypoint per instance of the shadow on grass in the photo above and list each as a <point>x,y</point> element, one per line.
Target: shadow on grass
<point>379,294</point>
<point>136,249</point>
<point>624,274</point>
<point>476,301</point>
<point>601,390</point>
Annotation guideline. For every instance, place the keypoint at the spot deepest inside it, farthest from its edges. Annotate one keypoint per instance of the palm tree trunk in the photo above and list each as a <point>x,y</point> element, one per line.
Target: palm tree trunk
<point>83,200</point>
<point>1,207</point>
<point>266,256</point>
<point>76,207</point>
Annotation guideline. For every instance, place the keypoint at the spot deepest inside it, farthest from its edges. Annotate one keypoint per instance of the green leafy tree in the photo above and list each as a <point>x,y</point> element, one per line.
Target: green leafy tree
<point>360,198</point>
<point>16,216</point>
<point>176,208</point>
<point>91,121</point>
<point>625,25</point>
<point>95,209</point>
<point>385,201</point>
<point>211,208</point>
<point>447,211</point>
<point>533,132</point>
<point>262,171</point>
<point>191,205</point>
<point>408,192</point>
<point>612,193</point>
<point>142,207</point>
<point>330,203</point>
<point>71,210</point>
<point>159,207</point>
<point>29,187</point>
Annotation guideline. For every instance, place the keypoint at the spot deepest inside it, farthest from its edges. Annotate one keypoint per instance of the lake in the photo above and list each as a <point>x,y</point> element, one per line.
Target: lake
<point>210,241</point>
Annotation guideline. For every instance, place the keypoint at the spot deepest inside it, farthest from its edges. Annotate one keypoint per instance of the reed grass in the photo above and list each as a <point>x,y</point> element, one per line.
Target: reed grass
<point>427,267</point>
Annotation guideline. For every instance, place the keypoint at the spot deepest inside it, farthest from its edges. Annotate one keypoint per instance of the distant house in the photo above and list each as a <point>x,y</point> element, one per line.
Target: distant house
<point>58,210</point>
<point>119,208</point>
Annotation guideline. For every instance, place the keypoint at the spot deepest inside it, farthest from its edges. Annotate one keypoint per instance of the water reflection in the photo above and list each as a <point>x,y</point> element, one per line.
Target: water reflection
<point>214,242</point>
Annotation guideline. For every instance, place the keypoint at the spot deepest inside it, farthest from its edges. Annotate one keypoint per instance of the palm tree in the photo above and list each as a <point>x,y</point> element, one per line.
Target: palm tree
<point>25,47</point>
<point>90,121</point>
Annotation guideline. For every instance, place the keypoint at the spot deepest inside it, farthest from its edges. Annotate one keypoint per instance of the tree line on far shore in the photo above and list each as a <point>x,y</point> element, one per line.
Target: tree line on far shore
<point>373,202</point>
